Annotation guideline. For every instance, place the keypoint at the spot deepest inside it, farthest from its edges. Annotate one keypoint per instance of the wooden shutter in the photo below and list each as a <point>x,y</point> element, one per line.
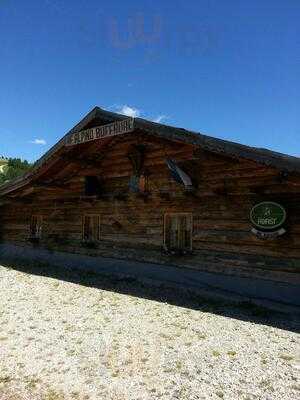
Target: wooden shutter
<point>96,227</point>
<point>175,232</point>
<point>188,231</point>
<point>178,231</point>
<point>91,227</point>
<point>36,223</point>
<point>167,231</point>
<point>33,225</point>
<point>181,231</point>
<point>86,227</point>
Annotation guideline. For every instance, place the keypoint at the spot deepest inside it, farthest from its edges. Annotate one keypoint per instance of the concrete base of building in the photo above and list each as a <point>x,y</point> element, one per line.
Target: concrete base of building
<point>274,295</point>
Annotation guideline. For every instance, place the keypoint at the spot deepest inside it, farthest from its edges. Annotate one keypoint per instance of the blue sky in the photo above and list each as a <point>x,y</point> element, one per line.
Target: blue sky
<point>230,68</point>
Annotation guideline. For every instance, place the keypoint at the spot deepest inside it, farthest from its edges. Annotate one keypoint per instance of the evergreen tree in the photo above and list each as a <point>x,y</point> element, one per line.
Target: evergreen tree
<point>15,167</point>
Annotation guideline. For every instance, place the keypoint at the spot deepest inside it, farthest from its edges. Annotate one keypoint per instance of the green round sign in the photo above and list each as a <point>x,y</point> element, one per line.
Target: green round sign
<point>268,215</point>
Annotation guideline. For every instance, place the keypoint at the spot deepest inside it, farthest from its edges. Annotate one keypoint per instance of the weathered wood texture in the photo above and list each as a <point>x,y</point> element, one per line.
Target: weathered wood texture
<point>132,224</point>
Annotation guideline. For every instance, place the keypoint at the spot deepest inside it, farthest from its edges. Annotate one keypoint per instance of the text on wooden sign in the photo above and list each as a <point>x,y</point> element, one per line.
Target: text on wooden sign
<point>100,132</point>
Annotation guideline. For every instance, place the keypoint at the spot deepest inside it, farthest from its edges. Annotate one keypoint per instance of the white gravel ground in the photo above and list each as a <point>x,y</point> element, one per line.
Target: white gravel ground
<point>65,339</point>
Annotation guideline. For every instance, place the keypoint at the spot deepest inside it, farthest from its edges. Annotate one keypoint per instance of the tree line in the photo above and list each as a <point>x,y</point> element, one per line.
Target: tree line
<point>14,168</point>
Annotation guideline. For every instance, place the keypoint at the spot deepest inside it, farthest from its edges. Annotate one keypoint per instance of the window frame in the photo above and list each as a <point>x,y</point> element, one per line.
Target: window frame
<point>94,240</point>
<point>186,214</point>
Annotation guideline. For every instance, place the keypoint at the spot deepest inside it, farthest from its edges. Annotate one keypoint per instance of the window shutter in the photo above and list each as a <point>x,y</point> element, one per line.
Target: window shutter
<point>188,233</point>
<point>36,223</point>
<point>86,228</point>
<point>178,231</point>
<point>91,227</point>
<point>175,231</point>
<point>167,231</point>
<point>96,227</point>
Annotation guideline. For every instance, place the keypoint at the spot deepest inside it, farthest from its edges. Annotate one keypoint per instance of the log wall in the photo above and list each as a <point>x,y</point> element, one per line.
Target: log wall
<point>132,225</point>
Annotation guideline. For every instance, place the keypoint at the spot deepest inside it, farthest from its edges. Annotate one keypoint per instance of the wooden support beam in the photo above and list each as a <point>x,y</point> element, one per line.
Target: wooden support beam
<point>46,185</point>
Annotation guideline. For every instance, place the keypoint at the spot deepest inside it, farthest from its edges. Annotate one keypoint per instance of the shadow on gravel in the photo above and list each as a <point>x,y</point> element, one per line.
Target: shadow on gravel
<point>244,311</point>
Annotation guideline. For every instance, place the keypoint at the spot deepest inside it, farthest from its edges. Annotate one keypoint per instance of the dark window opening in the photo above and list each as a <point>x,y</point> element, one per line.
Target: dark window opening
<point>92,186</point>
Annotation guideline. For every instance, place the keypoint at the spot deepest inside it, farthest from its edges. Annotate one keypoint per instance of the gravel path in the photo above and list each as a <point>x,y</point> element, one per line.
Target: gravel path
<point>65,339</point>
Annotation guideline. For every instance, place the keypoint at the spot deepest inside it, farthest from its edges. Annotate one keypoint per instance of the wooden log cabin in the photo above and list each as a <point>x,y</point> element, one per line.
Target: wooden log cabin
<point>132,189</point>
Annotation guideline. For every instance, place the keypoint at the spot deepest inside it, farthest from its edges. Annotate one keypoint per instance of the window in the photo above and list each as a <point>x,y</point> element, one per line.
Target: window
<point>178,232</point>
<point>91,186</point>
<point>91,228</point>
<point>36,226</point>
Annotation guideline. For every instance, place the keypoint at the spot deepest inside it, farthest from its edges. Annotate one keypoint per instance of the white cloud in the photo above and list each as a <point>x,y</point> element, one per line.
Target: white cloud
<point>160,118</point>
<point>39,141</point>
<point>129,111</point>
<point>135,112</point>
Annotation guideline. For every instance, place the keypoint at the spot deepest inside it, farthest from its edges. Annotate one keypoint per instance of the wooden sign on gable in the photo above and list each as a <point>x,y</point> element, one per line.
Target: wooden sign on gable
<point>100,132</point>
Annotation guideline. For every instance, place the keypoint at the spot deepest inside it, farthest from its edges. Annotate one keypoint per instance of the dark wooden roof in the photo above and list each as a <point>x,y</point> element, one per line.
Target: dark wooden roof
<point>280,161</point>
